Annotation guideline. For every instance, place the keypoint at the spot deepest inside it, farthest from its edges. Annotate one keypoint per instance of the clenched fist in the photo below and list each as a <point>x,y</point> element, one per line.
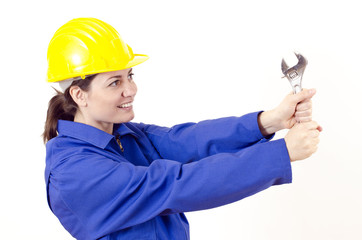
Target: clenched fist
<point>302,140</point>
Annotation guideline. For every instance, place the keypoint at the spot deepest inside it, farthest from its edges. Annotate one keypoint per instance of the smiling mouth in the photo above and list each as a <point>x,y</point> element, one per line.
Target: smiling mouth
<point>125,105</point>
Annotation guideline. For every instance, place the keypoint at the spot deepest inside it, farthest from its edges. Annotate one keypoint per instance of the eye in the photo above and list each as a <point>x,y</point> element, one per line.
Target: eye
<point>130,76</point>
<point>114,83</point>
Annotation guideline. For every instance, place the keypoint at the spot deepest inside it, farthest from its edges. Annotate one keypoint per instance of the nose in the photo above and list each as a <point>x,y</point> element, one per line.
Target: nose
<point>129,90</point>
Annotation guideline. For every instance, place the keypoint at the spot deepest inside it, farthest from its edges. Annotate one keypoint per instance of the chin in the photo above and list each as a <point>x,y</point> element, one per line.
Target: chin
<point>125,119</point>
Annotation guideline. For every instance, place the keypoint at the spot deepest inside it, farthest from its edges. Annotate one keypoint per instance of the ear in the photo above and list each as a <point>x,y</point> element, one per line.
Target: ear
<point>78,95</point>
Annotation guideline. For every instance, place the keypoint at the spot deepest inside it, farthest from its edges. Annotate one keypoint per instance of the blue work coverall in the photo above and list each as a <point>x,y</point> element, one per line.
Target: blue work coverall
<point>136,183</point>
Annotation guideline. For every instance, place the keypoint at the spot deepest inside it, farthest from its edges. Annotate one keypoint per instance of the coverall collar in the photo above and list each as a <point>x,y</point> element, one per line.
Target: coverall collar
<point>92,134</point>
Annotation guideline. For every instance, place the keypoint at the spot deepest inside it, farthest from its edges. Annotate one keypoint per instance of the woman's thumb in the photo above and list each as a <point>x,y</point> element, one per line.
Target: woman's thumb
<point>304,94</point>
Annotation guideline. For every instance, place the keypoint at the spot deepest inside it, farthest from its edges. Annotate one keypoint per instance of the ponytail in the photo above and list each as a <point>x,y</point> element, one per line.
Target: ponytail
<point>62,106</point>
<point>59,108</point>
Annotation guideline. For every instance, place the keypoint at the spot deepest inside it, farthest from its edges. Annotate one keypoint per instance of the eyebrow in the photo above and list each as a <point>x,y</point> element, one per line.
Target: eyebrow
<point>119,76</point>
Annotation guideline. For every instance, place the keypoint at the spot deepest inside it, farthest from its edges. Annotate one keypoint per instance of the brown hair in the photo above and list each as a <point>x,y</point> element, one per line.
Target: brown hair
<point>62,106</point>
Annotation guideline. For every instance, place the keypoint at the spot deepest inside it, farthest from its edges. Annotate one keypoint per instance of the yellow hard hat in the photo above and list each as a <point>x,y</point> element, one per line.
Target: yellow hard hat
<point>86,46</point>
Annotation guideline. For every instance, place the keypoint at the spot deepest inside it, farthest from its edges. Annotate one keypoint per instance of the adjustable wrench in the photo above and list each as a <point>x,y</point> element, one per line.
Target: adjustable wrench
<point>295,73</point>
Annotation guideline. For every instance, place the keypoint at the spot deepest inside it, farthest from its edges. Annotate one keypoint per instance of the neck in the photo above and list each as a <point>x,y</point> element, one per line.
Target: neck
<point>104,126</point>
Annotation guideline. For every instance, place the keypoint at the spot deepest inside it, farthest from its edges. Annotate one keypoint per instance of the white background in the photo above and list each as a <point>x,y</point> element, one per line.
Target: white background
<point>208,59</point>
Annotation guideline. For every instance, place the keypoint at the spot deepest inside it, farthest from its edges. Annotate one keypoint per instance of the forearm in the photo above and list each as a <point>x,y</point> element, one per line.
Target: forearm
<point>269,123</point>
<point>224,178</point>
<point>190,142</point>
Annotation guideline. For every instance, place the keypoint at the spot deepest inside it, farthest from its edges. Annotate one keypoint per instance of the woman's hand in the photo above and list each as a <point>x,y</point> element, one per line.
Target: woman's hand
<point>302,140</point>
<point>294,108</point>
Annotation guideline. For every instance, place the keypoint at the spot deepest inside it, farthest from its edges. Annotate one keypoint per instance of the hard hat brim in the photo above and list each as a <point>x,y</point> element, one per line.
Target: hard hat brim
<point>138,59</point>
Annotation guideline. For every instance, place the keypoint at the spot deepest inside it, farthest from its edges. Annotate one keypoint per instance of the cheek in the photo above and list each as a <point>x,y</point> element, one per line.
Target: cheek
<point>102,103</point>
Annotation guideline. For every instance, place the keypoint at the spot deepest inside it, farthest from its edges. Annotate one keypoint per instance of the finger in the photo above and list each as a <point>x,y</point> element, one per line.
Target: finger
<point>304,105</point>
<point>303,116</point>
<point>311,125</point>
<point>306,113</point>
<point>303,95</point>
<point>314,133</point>
<point>319,128</point>
<point>303,119</point>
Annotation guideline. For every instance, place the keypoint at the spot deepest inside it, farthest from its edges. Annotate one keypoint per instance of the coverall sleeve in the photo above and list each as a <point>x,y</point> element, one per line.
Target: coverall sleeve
<point>193,141</point>
<point>107,196</point>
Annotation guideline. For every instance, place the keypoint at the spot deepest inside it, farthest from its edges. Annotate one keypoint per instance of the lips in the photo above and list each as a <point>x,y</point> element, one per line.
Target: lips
<point>126,105</point>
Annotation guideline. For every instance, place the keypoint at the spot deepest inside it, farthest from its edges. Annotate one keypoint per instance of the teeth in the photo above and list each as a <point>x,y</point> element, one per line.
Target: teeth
<point>126,105</point>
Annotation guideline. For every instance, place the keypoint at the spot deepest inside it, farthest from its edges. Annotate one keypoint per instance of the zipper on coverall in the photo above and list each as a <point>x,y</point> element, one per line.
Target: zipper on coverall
<point>119,143</point>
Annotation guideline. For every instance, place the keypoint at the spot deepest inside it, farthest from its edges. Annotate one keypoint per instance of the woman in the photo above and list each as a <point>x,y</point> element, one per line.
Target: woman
<point>108,178</point>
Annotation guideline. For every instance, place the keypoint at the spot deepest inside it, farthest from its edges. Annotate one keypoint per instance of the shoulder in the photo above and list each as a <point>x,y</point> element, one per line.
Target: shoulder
<point>65,144</point>
<point>147,129</point>
<point>62,151</point>
<point>61,148</point>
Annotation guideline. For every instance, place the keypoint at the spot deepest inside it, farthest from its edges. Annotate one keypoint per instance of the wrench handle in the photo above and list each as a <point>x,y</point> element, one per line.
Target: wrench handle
<point>297,89</point>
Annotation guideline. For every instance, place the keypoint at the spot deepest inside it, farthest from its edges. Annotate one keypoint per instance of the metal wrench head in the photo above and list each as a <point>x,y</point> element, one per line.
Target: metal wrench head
<point>295,73</point>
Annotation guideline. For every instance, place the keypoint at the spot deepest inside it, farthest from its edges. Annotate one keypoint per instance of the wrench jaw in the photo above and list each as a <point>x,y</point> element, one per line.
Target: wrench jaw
<point>295,73</point>
<point>285,67</point>
<point>302,61</point>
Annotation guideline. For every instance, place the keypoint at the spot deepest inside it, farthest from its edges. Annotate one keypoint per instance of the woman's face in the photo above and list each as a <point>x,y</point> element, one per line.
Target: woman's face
<point>109,99</point>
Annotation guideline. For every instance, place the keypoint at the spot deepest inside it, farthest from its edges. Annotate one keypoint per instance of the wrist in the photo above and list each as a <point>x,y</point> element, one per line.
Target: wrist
<point>269,122</point>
